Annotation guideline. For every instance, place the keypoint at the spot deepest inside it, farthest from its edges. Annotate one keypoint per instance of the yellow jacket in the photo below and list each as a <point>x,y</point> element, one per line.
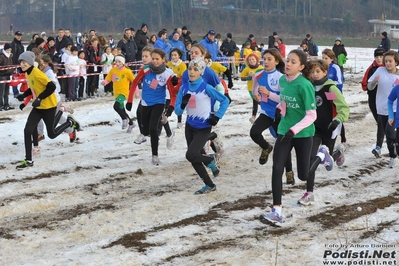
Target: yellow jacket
<point>121,79</point>
<point>218,68</point>
<point>248,72</point>
<point>37,82</point>
<point>178,70</point>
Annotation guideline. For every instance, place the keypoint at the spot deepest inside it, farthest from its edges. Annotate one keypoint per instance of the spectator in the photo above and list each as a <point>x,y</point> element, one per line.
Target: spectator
<point>176,43</point>
<point>128,47</point>
<point>17,48</point>
<point>209,44</point>
<point>311,47</point>
<point>228,48</point>
<point>32,42</point>
<point>340,53</point>
<point>141,40</point>
<point>185,35</point>
<point>272,39</point>
<point>385,42</point>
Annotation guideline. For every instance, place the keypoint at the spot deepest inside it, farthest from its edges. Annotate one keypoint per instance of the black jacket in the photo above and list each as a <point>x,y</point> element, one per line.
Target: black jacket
<point>339,49</point>
<point>129,49</point>
<point>311,46</point>
<point>385,44</point>
<point>141,41</point>
<point>228,48</point>
<point>60,44</point>
<point>17,48</point>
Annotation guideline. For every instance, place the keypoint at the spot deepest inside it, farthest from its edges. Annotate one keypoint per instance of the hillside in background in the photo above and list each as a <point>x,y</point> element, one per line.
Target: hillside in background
<point>290,18</point>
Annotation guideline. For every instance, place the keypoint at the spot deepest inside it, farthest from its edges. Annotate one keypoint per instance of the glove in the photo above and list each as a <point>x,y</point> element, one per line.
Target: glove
<point>185,100</point>
<point>37,102</point>
<point>21,106</point>
<point>333,125</point>
<point>287,137</point>
<point>174,80</point>
<point>169,111</point>
<point>230,85</point>
<point>213,120</point>
<point>129,106</point>
<point>228,97</point>
<point>20,97</point>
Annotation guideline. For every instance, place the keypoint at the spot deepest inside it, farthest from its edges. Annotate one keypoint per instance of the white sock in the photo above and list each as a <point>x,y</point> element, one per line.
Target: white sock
<point>277,209</point>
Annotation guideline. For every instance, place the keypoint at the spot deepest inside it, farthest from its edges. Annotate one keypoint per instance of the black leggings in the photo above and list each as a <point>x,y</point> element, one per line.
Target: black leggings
<point>166,125</point>
<point>50,120</point>
<point>122,112</point>
<point>282,150</point>
<point>389,132</point>
<point>196,139</point>
<point>150,117</point>
<point>262,123</point>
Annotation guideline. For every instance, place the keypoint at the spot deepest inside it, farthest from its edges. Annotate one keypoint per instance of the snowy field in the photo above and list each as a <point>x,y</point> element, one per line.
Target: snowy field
<point>100,201</point>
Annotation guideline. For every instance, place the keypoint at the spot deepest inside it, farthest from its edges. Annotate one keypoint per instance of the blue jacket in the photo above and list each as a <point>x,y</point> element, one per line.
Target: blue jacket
<point>161,44</point>
<point>212,47</point>
<point>179,45</point>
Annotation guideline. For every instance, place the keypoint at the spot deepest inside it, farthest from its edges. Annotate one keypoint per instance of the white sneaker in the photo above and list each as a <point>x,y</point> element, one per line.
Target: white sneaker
<point>140,139</point>
<point>219,147</point>
<point>155,160</point>
<point>170,140</point>
<point>392,162</point>
<point>341,159</point>
<point>124,124</point>
<point>164,119</point>
<point>252,119</point>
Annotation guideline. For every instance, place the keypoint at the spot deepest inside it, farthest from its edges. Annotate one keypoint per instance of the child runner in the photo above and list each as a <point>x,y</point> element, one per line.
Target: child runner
<point>156,80</point>
<point>393,117</point>
<point>146,58</point>
<point>296,128</point>
<point>336,75</point>
<point>378,62</point>
<point>386,77</point>
<point>253,65</point>
<point>44,106</point>
<point>332,110</point>
<point>178,67</point>
<point>121,77</point>
<point>198,97</point>
<point>264,83</point>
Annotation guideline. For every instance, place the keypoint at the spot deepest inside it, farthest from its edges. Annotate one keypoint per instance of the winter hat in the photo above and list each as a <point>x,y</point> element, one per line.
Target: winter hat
<point>384,33</point>
<point>79,34</point>
<point>39,41</point>
<point>199,63</point>
<point>43,34</point>
<point>378,52</point>
<point>50,39</point>
<point>229,35</point>
<point>184,28</point>
<point>120,58</point>
<point>338,39</point>
<point>27,56</point>
<point>18,33</point>
<point>7,46</point>
<point>275,33</point>
<point>251,36</point>
<point>212,32</point>
<point>143,25</point>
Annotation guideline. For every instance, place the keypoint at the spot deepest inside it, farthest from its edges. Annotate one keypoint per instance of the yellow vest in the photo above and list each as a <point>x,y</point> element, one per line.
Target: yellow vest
<point>37,82</point>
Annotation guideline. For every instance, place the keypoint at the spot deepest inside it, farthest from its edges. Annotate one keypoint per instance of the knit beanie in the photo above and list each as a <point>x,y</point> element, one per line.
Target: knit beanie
<point>199,63</point>
<point>120,58</point>
<point>385,34</point>
<point>39,41</point>
<point>378,52</point>
<point>27,56</point>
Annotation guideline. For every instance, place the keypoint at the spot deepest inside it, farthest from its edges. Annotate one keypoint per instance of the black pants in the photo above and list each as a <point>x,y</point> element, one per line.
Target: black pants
<point>282,150</point>
<point>196,139</point>
<point>150,117</point>
<point>108,87</point>
<point>122,112</point>
<point>50,120</point>
<point>320,137</point>
<point>389,132</point>
<point>81,87</point>
<point>166,125</point>
<point>373,109</point>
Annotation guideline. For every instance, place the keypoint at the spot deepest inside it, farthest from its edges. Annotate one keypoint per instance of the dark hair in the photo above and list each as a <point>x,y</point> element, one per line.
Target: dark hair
<point>161,32</point>
<point>207,55</point>
<point>74,48</point>
<point>303,57</point>
<point>278,57</point>
<point>311,65</point>
<point>330,53</point>
<point>177,50</point>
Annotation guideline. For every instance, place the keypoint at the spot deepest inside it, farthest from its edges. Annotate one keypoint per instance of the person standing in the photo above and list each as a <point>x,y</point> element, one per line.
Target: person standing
<point>128,47</point>
<point>385,42</point>
<point>17,48</point>
<point>310,45</point>
<point>340,53</point>
<point>176,43</point>
<point>5,62</point>
<point>141,40</point>
<point>209,43</point>
<point>228,48</point>
<point>272,39</point>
